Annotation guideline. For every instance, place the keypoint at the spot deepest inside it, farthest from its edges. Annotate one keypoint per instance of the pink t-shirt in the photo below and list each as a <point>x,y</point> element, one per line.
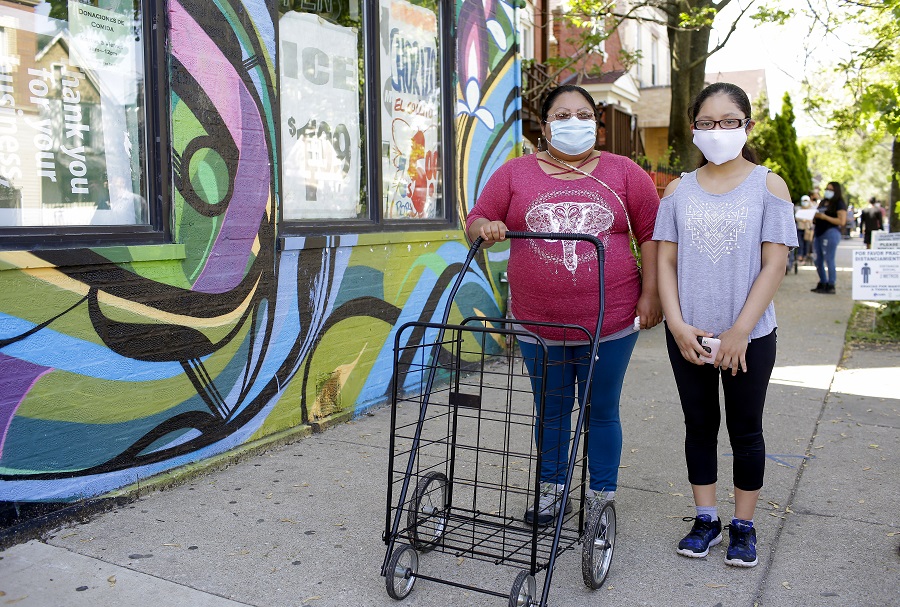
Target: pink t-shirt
<point>556,281</point>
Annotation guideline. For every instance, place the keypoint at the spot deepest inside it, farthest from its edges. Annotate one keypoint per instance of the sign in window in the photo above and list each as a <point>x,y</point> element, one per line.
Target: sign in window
<point>72,114</point>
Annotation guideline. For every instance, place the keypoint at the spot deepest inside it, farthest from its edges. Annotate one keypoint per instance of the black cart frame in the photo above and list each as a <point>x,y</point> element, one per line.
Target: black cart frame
<point>463,462</point>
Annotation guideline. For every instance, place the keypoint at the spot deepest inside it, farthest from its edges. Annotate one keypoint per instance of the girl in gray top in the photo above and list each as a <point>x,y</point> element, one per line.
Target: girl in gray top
<point>724,233</point>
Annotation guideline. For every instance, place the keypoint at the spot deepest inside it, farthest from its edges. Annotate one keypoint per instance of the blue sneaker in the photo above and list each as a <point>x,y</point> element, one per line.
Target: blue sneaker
<point>704,533</point>
<point>742,546</point>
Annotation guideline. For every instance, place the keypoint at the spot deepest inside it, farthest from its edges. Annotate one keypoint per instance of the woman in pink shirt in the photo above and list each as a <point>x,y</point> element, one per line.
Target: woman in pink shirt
<point>573,188</point>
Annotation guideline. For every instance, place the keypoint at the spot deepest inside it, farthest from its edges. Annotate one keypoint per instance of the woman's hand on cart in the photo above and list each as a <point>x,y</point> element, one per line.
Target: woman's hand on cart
<point>490,231</point>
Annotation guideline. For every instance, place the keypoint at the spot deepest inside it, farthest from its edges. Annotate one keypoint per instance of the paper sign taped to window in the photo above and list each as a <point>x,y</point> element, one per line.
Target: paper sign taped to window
<point>98,37</point>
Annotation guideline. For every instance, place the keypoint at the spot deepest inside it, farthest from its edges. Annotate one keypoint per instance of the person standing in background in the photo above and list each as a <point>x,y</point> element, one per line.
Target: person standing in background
<point>804,231</point>
<point>871,219</point>
<point>828,221</point>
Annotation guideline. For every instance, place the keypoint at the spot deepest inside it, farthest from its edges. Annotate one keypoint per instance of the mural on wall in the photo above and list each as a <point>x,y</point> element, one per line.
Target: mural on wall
<point>489,130</point>
<point>115,367</point>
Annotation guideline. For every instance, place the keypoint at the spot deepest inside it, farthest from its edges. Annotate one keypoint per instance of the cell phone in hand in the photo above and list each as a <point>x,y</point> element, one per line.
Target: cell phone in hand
<point>711,346</point>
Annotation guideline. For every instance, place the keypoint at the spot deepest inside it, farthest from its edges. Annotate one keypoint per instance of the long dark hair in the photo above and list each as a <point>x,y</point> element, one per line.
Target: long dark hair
<point>837,198</point>
<point>737,95</point>
<point>567,88</point>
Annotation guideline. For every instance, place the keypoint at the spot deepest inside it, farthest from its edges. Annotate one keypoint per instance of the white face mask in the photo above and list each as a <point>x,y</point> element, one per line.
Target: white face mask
<point>829,194</point>
<point>573,136</point>
<point>720,145</point>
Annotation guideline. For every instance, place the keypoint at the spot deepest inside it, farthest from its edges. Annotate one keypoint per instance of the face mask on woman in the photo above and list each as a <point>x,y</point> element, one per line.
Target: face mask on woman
<point>573,136</point>
<point>829,194</point>
<point>720,145</point>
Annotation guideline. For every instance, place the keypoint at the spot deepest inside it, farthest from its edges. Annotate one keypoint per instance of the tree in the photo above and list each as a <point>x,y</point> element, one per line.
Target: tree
<point>871,108</point>
<point>689,25</point>
<point>775,140</point>
<point>857,162</point>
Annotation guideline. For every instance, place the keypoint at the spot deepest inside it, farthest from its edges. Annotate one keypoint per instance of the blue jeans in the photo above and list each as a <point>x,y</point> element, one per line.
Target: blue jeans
<point>826,248</point>
<point>804,248</point>
<point>568,366</point>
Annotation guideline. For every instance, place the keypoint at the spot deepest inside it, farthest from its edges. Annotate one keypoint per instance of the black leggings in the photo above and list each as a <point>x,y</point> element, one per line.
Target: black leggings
<point>745,397</point>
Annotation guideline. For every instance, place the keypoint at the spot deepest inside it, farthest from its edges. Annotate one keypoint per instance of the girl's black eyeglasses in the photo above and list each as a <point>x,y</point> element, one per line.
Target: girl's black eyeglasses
<point>728,124</point>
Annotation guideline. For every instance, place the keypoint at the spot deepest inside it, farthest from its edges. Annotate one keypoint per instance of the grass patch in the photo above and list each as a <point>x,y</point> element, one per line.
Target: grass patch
<point>874,323</point>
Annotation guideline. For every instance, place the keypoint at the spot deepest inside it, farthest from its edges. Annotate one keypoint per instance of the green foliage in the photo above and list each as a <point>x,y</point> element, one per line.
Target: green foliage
<point>874,324</point>
<point>765,14</point>
<point>857,162</point>
<point>697,17</point>
<point>865,102</point>
<point>889,318</point>
<point>775,140</point>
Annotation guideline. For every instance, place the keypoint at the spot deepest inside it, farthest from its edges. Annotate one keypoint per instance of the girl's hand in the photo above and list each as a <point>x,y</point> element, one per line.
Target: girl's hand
<point>733,351</point>
<point>686,338</point>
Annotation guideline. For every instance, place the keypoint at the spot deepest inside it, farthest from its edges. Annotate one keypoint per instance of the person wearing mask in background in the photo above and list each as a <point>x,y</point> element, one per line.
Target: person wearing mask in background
<point>804,231</point>
<point>724,231</point>
<point>850,226</point>
<point>827,223</point>
<point>871,219</point>
<point>572,187</point>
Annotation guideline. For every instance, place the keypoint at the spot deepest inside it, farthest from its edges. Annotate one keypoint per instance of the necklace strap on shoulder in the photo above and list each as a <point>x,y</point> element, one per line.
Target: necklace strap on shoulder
<point>601,182</point>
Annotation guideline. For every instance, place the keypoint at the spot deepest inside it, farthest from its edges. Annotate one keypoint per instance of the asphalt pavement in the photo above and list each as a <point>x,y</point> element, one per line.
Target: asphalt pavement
<point>301,523</point>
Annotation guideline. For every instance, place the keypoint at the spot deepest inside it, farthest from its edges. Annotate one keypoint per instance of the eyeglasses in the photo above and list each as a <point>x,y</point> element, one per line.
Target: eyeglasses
<point>566,114</point>
<point>727,123</point>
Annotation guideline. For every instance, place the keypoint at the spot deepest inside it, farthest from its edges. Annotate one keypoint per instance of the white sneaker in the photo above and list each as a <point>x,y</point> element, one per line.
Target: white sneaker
<point>548,505</point>
<point>591,497</point>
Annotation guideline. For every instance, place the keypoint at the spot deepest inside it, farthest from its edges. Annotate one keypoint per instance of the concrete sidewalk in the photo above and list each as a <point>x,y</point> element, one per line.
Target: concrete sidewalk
<point>301,524</point>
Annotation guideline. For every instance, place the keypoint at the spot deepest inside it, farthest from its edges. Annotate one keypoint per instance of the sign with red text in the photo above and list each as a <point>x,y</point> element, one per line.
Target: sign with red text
<point>411,118</point>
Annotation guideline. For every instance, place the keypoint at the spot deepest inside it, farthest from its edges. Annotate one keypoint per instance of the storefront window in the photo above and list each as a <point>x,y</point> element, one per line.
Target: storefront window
<point>72,138</point>
<point>411,110</point>
<point>322,105</point>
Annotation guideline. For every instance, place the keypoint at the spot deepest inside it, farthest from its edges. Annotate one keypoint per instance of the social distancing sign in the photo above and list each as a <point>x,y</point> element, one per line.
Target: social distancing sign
<point>876,275</point>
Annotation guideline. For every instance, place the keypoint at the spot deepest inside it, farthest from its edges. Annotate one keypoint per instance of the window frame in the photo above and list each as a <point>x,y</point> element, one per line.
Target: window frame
<point>157,163</point>
<point>375,221</point>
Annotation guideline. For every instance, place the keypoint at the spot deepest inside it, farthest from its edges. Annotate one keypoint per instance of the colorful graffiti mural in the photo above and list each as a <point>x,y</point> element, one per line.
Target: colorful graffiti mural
<point>119,363</point>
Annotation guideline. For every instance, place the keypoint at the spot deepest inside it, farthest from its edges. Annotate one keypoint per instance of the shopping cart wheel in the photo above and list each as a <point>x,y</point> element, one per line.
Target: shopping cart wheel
<point>599,542</point>
<point>523,590</point>
<point>401,571</point>
<point>427,519</point>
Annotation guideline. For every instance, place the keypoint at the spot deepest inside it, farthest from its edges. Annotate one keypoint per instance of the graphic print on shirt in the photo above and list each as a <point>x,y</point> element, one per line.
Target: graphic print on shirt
<point>714,226</point>
<point>558,212</point>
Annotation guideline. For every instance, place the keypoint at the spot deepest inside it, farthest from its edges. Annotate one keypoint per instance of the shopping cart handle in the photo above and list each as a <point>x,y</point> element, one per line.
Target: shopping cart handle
<point>546,236</point>
<point>556,236</point>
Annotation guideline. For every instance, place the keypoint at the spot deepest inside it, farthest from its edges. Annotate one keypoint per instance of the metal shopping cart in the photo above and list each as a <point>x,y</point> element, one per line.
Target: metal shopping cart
<point>464,464</point>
